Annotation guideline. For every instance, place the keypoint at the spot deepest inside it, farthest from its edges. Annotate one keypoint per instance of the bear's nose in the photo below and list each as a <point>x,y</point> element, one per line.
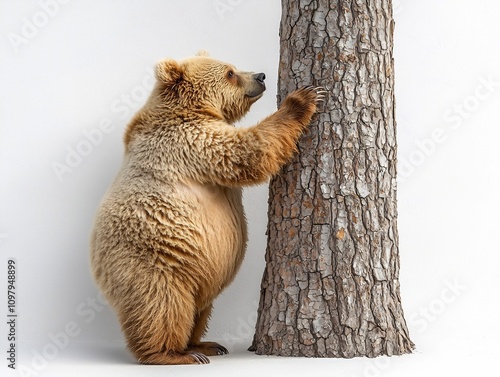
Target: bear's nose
<point>260,77</point>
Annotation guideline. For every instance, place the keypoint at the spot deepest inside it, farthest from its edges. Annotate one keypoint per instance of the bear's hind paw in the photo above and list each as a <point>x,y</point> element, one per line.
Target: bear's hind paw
<point>208,348</point>
<point>199,357</point>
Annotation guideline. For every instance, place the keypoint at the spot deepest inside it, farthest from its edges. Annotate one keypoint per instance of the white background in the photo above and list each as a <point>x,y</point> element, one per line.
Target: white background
<point>83,64</point>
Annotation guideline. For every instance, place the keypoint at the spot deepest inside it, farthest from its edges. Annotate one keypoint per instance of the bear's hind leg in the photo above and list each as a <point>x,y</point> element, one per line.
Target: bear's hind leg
<point>199,329</point>
<point>158,329</point>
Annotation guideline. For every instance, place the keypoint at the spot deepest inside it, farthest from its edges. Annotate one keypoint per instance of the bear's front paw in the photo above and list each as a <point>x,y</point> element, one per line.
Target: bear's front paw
<point>302,103</point>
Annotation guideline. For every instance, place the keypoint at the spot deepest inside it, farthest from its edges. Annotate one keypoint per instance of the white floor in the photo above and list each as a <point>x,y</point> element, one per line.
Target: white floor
<point>453,355</point>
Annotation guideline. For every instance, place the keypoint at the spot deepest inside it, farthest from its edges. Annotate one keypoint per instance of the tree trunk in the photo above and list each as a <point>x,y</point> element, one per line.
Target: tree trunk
<point>331,288</point>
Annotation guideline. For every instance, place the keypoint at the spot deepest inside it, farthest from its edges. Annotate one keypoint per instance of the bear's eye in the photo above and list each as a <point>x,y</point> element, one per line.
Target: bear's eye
<point>230,74</point>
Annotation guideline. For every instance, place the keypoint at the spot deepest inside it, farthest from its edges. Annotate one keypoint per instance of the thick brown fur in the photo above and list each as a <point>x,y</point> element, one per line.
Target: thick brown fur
<point>171,233</point>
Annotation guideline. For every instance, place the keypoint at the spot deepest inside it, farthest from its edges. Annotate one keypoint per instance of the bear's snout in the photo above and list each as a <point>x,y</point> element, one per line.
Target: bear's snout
<point>260,77</point>
<point>257,85</point>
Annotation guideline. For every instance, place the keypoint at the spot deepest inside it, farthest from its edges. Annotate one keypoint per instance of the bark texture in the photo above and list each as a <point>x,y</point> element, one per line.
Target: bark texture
<point>331,284</point>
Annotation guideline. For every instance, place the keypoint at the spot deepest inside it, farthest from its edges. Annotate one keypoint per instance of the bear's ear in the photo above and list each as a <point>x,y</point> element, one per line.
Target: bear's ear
<point>168,71</point>
<point>203,53</point>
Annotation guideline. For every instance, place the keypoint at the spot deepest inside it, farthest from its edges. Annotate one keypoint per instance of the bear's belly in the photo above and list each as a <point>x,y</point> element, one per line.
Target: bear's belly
<point>219,216</point>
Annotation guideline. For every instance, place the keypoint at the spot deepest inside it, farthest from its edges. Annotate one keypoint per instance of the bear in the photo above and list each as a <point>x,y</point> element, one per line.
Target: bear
<point>170,233</point>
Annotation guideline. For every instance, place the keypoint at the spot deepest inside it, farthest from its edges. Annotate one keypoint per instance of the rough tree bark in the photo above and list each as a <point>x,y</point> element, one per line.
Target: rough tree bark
<point>331,283</point>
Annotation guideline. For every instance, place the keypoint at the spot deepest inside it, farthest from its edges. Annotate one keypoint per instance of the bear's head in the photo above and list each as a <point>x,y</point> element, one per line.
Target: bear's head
<point>208,86</point>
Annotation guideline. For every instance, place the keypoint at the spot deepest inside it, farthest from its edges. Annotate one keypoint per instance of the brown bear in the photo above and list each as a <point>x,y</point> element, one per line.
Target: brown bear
<point>170,233</point>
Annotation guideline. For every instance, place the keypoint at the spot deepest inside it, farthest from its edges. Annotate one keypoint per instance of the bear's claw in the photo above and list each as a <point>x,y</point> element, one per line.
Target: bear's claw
<point>321,94</point>
<point>221,350</point>
<point>199,358</point>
